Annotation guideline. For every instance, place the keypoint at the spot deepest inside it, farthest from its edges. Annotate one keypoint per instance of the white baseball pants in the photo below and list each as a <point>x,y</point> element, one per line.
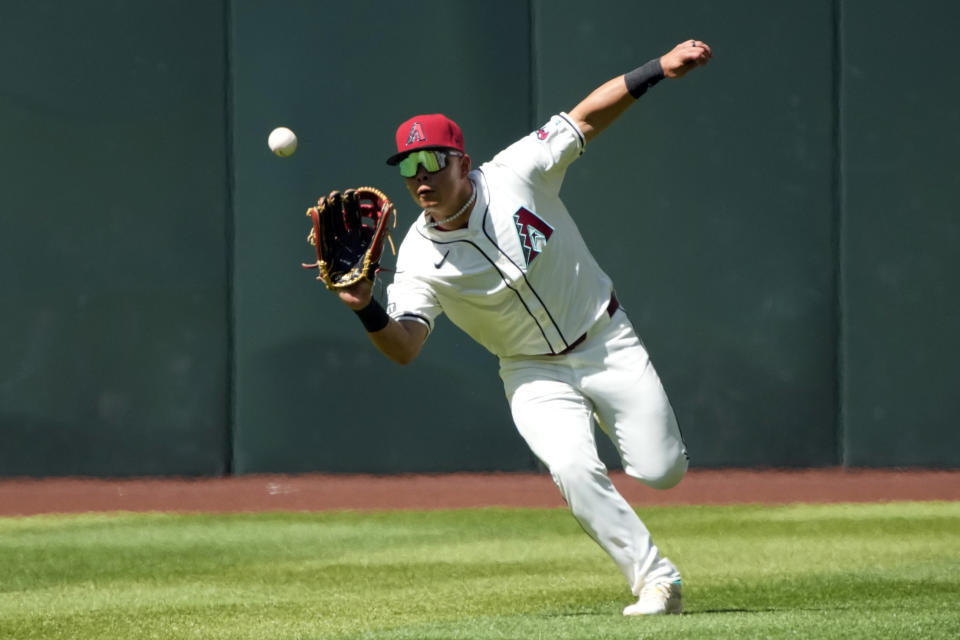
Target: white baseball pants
<point>555,401</point>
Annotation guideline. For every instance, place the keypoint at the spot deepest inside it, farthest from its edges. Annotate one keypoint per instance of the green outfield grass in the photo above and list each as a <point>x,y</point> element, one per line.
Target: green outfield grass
<point>824,571</point>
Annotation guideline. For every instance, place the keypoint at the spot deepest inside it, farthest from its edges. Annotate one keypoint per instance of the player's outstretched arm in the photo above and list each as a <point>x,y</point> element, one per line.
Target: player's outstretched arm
<point>607,102</point>
<point>399,341</point>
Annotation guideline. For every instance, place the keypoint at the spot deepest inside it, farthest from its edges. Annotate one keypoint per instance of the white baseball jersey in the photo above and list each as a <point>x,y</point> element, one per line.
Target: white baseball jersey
<point>519,278</point>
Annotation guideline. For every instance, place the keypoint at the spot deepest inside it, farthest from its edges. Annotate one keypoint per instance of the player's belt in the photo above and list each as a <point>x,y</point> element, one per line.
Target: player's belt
<point>611,309</point>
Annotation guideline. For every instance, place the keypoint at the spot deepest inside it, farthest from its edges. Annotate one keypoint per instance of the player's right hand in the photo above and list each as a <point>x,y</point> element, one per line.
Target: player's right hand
<point>687,55</point>
<point>358,295</point>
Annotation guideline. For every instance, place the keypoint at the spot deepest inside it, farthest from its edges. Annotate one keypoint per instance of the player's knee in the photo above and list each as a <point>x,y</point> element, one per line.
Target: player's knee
<point>668,480</point>
<point>665,476</point>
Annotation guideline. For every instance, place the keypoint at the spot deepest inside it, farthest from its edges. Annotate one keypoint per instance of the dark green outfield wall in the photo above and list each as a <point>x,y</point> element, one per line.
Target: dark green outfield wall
<point>782,228</point>
<point>113,243</point>
<point>345,95</point>
<point>721,240</point>
<point>901,236</point>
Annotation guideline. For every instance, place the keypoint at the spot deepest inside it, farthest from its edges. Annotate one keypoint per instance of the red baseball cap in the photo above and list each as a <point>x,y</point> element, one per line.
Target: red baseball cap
<point>427,131</point>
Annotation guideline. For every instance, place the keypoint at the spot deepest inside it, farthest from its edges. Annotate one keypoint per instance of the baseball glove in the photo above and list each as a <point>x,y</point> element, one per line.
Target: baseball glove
<point>348,232</point>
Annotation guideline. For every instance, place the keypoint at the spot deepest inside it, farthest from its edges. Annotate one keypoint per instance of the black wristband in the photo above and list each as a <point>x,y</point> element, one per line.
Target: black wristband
<point>643,77</point>
<point>373,317</point>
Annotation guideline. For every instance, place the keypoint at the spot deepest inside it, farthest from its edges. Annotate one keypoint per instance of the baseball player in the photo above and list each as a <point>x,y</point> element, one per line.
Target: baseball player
<point>496,250</point>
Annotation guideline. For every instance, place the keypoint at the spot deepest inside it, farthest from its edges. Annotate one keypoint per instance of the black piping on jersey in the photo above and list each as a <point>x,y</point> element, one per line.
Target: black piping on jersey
<point>416,317</point>
<point>583,142</point>
<point>483,226</point>
<point>505,282</point>
<point>522,272</point>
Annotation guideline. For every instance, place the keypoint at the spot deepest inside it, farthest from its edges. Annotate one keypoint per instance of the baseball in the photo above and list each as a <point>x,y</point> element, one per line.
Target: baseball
<point>282,141</point>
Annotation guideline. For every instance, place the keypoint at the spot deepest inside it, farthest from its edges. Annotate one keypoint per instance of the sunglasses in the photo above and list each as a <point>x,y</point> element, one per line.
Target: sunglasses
<point>431,159</point>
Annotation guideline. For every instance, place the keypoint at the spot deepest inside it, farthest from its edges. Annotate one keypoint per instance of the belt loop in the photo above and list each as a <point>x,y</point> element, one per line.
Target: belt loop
<point>614,304</point>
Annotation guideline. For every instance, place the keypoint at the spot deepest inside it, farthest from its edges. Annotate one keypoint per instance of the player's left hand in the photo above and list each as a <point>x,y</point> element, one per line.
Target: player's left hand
<point>685,57</point>
<point>357,295</point>
<point>348,233</point>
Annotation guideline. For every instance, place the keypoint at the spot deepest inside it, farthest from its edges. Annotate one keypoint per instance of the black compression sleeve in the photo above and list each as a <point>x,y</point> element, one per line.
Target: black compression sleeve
<point>373,317</point>
<point>643,77</point>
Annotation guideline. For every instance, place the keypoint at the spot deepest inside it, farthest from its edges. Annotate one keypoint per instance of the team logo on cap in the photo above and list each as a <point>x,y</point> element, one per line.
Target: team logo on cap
<point>533,232</point>
<point>416,134</point>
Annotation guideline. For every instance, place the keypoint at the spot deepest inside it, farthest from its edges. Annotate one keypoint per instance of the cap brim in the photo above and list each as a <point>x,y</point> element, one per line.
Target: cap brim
<point>397,157</point>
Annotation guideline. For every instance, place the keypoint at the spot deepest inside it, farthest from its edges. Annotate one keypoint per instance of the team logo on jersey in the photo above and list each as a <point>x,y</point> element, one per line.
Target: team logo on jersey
<point>546,130</point>
<point>533,231</point>
<point>416,134</point>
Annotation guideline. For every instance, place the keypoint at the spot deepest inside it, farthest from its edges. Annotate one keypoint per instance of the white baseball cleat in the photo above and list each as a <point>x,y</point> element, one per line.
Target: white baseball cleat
<point>657,599</point>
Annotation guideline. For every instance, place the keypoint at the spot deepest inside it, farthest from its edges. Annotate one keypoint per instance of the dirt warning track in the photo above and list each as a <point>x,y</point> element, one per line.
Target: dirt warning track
<point>317,492</point>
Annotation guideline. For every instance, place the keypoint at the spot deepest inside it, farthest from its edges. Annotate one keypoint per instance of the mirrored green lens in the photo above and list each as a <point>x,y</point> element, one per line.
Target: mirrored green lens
<point>431,161</point>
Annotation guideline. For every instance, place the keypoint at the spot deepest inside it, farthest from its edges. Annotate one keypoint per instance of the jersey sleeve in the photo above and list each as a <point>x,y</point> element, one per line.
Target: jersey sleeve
<point>542,157</point>
<point>411,299</point>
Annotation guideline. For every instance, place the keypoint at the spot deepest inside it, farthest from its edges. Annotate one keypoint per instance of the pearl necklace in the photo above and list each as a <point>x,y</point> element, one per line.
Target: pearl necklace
<point>460,211</point>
